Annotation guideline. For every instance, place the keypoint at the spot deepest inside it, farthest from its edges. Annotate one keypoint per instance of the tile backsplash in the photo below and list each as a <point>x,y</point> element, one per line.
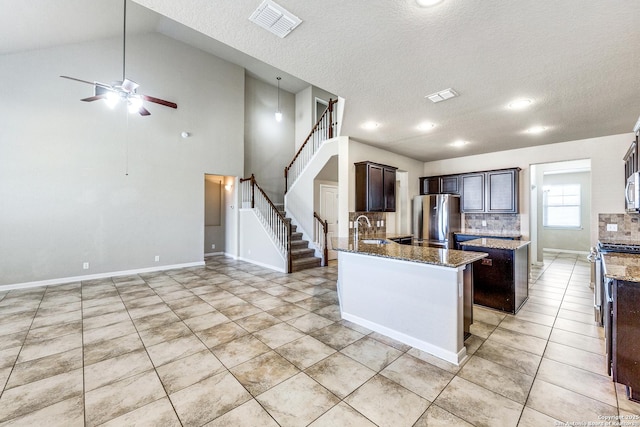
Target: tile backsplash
<point>494,222</point>
<point>628,228</point>
<point>378,223</point>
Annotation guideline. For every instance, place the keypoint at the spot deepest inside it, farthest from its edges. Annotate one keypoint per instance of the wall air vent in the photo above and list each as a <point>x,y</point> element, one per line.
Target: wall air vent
<point>443,95</point>
<point>275,18</point>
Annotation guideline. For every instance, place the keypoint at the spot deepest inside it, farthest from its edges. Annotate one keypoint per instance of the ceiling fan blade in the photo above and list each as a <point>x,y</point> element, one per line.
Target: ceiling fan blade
<point>159,101</point>
<point>129,85</point>
<point>104,85</point>
<point>93,98</point>
<point>144,112</point>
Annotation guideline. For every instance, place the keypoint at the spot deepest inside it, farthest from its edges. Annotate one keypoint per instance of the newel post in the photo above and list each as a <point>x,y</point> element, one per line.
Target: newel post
<point>331,118</point>
<point>253,191</point>
<point>286,185</point>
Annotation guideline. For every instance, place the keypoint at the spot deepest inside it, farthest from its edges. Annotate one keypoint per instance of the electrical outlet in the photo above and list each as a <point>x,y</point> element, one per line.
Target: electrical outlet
<point>213,246</point>
<point>85,265</point>
<point>484,223</point>
<point>157,258</point>
<point>612,227</point>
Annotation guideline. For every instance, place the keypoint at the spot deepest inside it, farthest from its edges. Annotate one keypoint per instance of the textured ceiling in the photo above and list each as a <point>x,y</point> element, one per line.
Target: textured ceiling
<point>577,59</point>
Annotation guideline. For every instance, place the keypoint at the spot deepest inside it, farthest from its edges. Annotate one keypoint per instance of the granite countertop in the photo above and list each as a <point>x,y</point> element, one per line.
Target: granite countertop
<point>491,233</point>
<point>496,243</point>
<point>622,266</point>
<point>386,236</point>
<point>442,257</point>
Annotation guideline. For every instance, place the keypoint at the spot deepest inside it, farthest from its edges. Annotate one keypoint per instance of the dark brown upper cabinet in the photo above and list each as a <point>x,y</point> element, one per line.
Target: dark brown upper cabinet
<point>472,196</point>
<point>448,184</point>
<point>375,187</point>
<point>481,192</point>
<point>631,161</point>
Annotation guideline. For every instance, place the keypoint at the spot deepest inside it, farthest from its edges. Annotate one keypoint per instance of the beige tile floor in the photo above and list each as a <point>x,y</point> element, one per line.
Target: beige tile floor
<point>233,344</point>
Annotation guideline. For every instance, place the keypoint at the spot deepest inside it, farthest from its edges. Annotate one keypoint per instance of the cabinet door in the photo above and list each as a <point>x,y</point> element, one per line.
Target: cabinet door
<point>472,192</point>
<point>430,185</point>
<point>389,190</point>
<point>631,161</point>
<point>450,185</point>
<point>375,189</point>
<point>502,191</point>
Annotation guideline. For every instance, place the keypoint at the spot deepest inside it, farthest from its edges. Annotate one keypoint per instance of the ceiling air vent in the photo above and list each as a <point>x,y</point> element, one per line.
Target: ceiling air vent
<point>275,18</point>
<point>443,95</point>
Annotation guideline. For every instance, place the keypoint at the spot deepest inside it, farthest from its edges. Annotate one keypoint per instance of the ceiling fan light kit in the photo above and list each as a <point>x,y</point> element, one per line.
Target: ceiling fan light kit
<point>124,90</point>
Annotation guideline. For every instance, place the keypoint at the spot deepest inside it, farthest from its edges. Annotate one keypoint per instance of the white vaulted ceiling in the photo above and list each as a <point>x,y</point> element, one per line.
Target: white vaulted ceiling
<point>579,60</point>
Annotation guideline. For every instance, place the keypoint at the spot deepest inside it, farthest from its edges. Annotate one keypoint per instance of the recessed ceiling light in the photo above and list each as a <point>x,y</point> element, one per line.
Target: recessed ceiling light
<point>371,125</point>
<point>459,143</point>
<point>427,3</point>
<point>519,104</point>
<point>536,129</point>
<point>426,126</point>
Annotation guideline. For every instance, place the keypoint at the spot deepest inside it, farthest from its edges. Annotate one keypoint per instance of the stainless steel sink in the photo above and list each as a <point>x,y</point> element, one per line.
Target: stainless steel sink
<point>375,241</point>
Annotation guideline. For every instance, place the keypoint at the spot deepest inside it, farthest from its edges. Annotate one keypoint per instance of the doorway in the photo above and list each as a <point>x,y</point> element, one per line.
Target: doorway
<point>329,212</point>
<point>560,201</point>
<point>321,106</point>
<point>219,193</point>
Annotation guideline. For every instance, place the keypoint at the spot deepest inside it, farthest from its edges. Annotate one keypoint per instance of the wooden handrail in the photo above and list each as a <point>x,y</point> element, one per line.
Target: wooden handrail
<point>282,218</point>
<point>329,111</point>
<point>325,229</point>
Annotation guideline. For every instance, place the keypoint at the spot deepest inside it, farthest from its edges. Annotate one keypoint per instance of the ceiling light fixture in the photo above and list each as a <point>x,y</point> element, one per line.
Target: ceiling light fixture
<point>371,125</point>
<point>442,95</point>
<point>278,112</point>
<point>427,3</point>
<point>459,143</point>
<point>536,129</point>
<point>426,126</point>
<point>520,104</point>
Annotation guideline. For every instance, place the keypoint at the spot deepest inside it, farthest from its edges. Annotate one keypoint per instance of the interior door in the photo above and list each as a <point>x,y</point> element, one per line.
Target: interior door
<point>329,212</point>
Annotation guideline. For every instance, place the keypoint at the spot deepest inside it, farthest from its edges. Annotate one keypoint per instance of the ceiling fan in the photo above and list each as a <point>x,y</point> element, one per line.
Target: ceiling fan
<point>124,90</point>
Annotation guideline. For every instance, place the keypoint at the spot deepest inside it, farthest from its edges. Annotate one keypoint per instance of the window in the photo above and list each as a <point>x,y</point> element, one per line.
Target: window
<point>561,206</point>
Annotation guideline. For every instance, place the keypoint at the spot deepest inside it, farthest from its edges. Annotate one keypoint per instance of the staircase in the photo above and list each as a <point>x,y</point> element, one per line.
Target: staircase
<point>302,256</point>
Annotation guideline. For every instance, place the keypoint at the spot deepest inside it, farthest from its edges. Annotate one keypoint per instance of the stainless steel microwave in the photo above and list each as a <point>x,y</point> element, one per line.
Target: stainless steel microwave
<point>632,193</point>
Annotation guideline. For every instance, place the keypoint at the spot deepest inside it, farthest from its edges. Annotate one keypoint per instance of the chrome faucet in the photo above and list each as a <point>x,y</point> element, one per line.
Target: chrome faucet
<point>356,223</point>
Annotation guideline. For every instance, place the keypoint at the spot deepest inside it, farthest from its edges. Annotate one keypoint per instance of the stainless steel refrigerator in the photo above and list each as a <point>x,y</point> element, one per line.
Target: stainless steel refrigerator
<point>435,218</point>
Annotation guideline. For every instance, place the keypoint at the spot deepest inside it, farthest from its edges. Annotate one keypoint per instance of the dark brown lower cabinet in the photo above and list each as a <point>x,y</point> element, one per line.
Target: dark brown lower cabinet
<point>625,336</point>
<point>501,281</point>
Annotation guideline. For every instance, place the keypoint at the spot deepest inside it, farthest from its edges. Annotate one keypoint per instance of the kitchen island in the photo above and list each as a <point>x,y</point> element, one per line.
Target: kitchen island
<point>500,281</point>
<point>413,294</point>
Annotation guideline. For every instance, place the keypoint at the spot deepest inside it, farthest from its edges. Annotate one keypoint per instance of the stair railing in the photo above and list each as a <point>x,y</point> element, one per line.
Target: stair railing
<point>278,226</point>
<point>322,131</point>
<point>320,237</point>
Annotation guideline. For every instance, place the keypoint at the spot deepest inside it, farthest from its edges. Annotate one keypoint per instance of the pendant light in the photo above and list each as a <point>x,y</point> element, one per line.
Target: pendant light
<point>278,112</point>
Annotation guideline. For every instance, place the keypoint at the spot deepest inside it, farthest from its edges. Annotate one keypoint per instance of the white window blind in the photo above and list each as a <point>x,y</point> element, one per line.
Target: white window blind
<point>561,206</point>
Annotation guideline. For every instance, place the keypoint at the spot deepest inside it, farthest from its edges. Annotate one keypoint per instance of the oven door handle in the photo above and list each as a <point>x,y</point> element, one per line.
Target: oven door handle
<point>607,289</point>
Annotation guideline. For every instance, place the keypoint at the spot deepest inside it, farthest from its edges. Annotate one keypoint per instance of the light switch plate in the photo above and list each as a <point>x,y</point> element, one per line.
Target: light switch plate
<point>612,227</point>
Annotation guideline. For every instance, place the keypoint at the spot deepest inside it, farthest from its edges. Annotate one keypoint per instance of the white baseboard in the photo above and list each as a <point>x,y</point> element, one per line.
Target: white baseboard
<point>565,251</point>
<point>64,280</point>
<point>213,254</point>
<point>261,264</point>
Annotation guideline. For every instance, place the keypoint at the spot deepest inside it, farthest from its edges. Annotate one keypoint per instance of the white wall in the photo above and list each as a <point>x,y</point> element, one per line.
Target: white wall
<point>305,111</point>
<point>352,152</point>
<point>268,144</point>
<point>607,173</point>
<point>65,196</point>
<point>256,245</point>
